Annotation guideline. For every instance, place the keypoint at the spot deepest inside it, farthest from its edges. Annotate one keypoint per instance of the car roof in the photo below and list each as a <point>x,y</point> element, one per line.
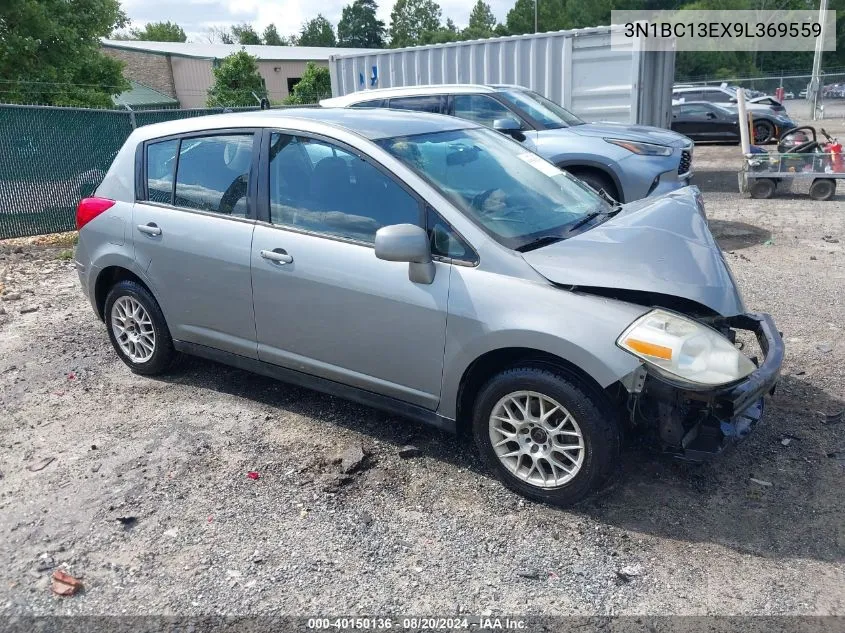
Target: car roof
<point>409,91</point>
<point>370,123</point>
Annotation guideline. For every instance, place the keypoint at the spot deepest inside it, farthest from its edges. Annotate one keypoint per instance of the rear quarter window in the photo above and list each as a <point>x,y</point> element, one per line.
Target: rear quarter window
<point>161,164</point>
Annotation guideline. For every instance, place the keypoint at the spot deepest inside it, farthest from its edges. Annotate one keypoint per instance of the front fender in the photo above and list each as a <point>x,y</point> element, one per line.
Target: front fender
<point>490,312</point>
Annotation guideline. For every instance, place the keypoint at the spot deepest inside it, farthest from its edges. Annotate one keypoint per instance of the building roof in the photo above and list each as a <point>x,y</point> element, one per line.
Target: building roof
<point>140,95</point>
<point>219,51</point>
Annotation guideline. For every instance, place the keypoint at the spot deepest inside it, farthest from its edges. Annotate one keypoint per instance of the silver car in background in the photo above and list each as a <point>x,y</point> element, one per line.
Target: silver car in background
<point>435,269</point>
<point>628,162</point>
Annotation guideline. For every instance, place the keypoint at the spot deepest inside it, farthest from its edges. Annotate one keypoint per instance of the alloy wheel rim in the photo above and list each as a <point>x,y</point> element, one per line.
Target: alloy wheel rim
<point>133,329</point>
<point>536,439</point>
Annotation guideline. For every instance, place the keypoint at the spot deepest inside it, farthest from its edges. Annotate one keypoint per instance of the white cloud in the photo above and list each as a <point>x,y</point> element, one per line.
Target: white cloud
<point>197,16</point>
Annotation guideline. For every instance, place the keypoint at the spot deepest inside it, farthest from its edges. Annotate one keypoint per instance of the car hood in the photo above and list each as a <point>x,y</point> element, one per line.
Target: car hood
<point>638,133</point>
<point>660,245</point>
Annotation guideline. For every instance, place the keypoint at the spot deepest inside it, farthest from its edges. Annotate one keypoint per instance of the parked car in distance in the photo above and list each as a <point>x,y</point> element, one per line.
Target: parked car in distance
<point>789,95</point>
<point>705,121</point>
<point>436,269</point>
<point>803,94</point>
<point>726,96</point>
<point>628,162</point>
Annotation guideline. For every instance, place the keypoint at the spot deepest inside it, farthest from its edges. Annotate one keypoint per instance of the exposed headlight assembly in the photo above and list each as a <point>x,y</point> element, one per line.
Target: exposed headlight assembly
<point>685,349</point>
<point>646,149</point>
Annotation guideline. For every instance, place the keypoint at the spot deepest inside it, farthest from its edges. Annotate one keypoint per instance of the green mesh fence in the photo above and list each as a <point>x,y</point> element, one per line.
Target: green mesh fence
<point>52,157</point>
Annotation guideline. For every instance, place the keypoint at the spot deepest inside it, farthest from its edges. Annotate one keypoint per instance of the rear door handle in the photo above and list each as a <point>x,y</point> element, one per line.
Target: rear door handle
<point>278,255</point>
<point>149,229</point>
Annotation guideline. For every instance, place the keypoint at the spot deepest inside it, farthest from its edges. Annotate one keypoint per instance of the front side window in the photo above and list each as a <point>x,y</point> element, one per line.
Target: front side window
<point>430,103</point>
<point>320,187</point>
<point>161,164</point>
<point>515,196</point>
<point>544,111</point>
<point>445,242</point>
<point>374,103</point>
<point>696,111</point>
<point>213,173</point>
<point>481,109</point>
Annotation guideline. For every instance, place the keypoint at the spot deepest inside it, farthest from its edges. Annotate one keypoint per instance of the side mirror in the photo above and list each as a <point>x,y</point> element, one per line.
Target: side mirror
<point>710,115</point>
<point>509,126</point>
<point>407,243</point>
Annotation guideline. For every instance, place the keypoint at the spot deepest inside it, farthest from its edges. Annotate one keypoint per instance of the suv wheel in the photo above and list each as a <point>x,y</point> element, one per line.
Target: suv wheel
<point>545,435</point>
<point>597,181</point>
<point>137,329</point>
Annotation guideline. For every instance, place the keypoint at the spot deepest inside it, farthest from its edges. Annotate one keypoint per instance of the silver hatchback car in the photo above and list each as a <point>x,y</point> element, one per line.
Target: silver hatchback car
<point>433,268</point>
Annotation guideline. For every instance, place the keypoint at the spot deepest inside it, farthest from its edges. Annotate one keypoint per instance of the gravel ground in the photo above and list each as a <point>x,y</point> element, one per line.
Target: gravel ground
<point>428,533</point>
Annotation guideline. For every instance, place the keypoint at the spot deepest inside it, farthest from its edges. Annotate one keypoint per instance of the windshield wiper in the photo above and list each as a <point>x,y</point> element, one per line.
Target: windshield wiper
<point>539,243</point>
<point>593,215</point>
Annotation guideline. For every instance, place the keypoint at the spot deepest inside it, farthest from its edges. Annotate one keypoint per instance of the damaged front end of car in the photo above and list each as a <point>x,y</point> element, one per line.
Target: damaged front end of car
<point>694,421</point>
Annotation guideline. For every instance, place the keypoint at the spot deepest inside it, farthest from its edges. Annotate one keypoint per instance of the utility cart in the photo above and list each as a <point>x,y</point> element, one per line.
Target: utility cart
<point>801,158</point>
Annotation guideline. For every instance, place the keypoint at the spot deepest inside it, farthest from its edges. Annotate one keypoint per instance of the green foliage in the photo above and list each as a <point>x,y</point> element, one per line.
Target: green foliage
<point>245,34</point>
<point>271,36</point>
<point>359,27</point>
<point>413,22</point>
<point>236,78</point>
<point>50,52</point>
<point>159,32</point>
<point>317,32</point>
<point>315,84</point>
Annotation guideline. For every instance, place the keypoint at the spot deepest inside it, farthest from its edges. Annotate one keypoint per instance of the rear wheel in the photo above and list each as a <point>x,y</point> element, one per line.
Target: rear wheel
<point>137,329</point>
<point>763,132</point>
<point>545,435</point>
<point>823,189</point>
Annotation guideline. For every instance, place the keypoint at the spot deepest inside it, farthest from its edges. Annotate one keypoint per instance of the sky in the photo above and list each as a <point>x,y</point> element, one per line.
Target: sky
<point>197,16</point>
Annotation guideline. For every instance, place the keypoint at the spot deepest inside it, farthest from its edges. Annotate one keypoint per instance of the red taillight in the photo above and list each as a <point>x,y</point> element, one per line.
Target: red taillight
<point>90,208</point>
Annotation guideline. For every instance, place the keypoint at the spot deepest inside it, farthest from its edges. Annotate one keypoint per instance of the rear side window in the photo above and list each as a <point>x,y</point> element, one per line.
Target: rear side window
<point>213,173</point>
<point>161,164</point>
<point>430,103</point>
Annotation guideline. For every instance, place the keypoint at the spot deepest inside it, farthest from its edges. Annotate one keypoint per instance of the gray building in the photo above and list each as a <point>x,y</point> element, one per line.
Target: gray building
<point>183,70</point>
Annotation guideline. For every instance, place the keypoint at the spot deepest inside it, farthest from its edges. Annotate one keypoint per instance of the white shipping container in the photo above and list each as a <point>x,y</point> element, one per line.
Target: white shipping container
<point>577,69</point>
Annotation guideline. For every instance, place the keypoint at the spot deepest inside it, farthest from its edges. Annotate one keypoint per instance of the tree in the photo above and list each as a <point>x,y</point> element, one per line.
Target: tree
<point>50,52</point>
<point>359,27</point>
<point>317,32</point>
<point>482,22</point>
<point>444,34</point>
<point>236,81</point>
<point>315,84</point>
<point>411,20</point>
<point>271,36</point>
<point>245,34</point>
<point>159,32</point>
<point>552,16</point>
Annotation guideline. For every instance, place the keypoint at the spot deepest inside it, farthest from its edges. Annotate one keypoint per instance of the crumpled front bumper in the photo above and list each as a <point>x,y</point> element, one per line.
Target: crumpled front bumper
<point>696,424</point>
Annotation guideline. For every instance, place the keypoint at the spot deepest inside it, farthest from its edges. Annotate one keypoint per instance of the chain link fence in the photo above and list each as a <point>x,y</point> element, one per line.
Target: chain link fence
<point>51,157</point>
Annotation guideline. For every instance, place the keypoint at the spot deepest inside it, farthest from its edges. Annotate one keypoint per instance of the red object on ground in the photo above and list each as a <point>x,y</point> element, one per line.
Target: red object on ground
<point>65,584</point>
<point>253,475</point>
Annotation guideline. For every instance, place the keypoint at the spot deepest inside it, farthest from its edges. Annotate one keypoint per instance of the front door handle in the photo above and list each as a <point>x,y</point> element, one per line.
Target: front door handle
<point>278,255</point>
<point>149,229</point>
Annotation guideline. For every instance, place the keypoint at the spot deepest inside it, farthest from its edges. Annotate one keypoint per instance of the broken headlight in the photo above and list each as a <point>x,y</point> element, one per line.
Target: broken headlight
<point>685,349</point>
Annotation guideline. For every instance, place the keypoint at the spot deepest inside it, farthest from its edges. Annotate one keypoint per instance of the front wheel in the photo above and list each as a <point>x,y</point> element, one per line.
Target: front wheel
<point>137,329</point>
<point>763,132</point>
<point>546,435</point>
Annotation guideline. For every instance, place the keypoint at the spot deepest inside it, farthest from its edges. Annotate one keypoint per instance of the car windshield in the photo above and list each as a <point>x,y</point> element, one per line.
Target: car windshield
<point>517,197</point>
<point>547,113</point>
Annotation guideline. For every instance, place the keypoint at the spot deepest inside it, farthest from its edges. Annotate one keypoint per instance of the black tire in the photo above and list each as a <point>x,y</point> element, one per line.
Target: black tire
<point>163,353</point>
<point>599,426</point>
<point>597,181</point>
<point>764,132</point>
<point>823,189</point>
<point>762,188</point>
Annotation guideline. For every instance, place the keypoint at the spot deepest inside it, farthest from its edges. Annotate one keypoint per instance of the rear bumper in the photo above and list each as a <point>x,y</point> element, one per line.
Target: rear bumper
<point>695,424</point>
